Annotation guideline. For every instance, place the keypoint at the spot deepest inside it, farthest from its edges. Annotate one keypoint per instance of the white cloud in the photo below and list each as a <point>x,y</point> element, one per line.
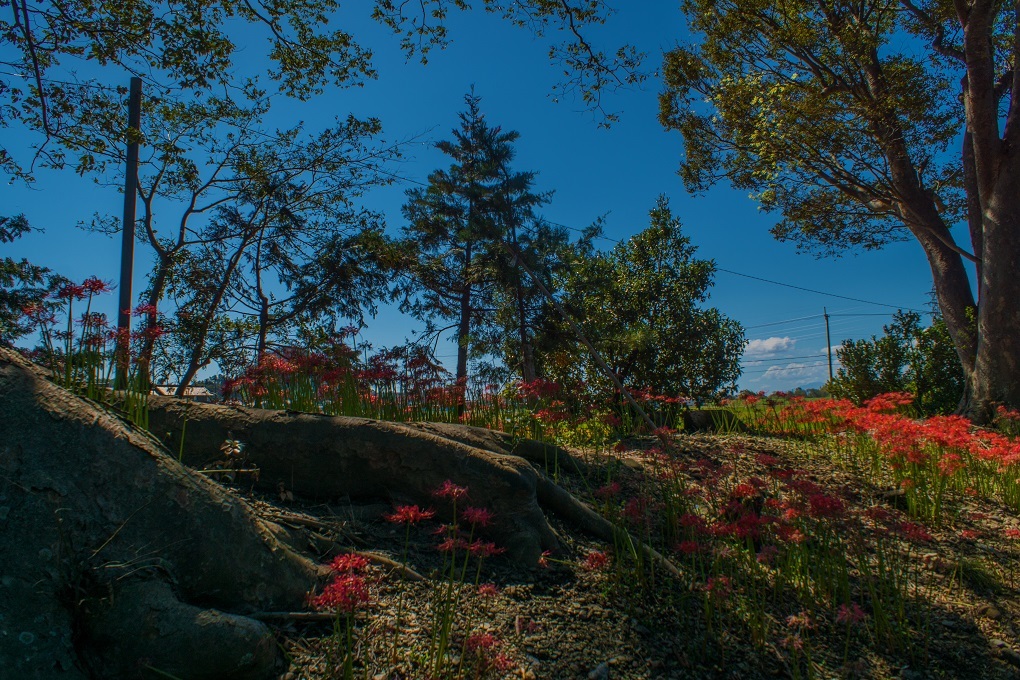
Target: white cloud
<point>767,346</point>
<point>795,371</point>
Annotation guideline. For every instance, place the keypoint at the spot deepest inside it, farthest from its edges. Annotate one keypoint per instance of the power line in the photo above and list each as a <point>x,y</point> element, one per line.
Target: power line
<point>780,323</point>
<point>816,355</point>
<point>819,292</point>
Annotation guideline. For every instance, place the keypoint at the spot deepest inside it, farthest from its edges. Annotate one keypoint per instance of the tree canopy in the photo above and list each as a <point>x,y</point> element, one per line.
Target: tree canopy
<point>860,123</point>
<point>642,306</point>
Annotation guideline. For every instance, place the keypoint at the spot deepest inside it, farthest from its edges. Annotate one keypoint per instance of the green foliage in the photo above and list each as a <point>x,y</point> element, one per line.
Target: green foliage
<point>195,47</point>
<point>457,234</point>
<point>641,305</point>
<point>807,106</point>
<point>22,284</point>
<point>908,358</point>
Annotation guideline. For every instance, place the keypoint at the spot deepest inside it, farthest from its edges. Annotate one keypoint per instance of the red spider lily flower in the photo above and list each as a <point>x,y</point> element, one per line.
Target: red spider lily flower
<point>719,587</point>
<point>691,521</point>
<point>612,420</point>
<point>914,532</point>
<point>144,310</point>
<point>689,547</point>
<point>485,549</point>
<point>767,460</point>
<point>501,662</point>
<point>608,491</point>
<point>743,491</point>
<point>153,332</point>
<point>825,506</point>
<point>551,416</point>
<point>793,642</point>
<point>801,620</point>
<point>595,560</point>
<point>344,594</point>
<point>95,286</point>
<point>1012,533</point>
<point>878,514</point>
<point>71,291</point>
<point>409,514</point>
<point>539,388</point>
<point>480,641</point>
<point>488,590</point>
<point>543,559</point>
<point>789,534</point>
<point>851,614</point>
<point>450,490</point>
<point>348,562</point>
<point>477,516</point>
<point>970,534</point>
<point>452,545</point>
<point>768,554</point>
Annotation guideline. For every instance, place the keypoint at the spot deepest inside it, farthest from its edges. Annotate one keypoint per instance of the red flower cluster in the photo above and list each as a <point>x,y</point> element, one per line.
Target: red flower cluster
<point>344,594</point>
<point>450,491</point>
<point>595,560</point>
<point>409,514</point>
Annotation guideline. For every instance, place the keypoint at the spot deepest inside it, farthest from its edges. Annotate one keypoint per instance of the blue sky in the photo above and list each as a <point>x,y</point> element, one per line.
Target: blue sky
<point>617,172</point>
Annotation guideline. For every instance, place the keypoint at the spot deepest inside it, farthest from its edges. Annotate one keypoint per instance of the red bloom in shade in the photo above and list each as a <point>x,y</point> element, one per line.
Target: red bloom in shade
<point>348,562</point>
<point>789,534</point>
<point>743,491</point>
<point>452,544</point>
<point>501,662</point>
<point>970,534</point>
<point>409,514</point>
<point>767,460</point>
<point>488,590</point>
<point>822,505</point>
<point>689,547</point>
<point>482,641</point>
<point>485,549</point>
<point>343,594</point>
<point>450,490</point>
<point>878,513</point>
<point>595,560</point>
<point>719,587</point>
<point>477,516</point>
<point>1012,533</point>
<point>914,532</point>
<point>851,614</point>
<point>768,554</point>
<point>608,491</point>
<point>543,559</point>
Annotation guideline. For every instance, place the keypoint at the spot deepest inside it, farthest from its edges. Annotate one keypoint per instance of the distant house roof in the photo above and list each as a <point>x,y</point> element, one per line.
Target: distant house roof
<point>201,394</point>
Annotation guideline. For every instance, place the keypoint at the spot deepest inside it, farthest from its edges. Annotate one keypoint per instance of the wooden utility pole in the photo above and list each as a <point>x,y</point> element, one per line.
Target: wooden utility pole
<point>828,340</point>
<point>127,248</point>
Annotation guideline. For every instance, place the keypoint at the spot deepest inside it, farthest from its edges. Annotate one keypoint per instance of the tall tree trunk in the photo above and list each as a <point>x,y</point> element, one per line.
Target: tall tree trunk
<point>997,373</point>
<point>528,372</point>
<point>153,296</point>
<point>955,297</point>
<point>197,360</point>
<point>464,327</point>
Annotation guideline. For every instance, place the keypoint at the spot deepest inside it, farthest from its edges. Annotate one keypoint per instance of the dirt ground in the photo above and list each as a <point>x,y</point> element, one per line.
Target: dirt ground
<point>569,620</point>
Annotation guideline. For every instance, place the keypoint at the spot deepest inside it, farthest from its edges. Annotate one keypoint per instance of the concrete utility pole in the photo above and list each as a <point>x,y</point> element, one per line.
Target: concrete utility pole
<point>127,249</point>
<point>828,340</point>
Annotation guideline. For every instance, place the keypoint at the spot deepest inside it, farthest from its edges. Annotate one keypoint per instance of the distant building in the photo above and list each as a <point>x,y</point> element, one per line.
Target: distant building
<point>200,394</point>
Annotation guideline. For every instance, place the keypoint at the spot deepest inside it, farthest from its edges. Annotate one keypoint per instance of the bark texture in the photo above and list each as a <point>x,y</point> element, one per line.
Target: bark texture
<point>89,507</point>
<point>331,457</point>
